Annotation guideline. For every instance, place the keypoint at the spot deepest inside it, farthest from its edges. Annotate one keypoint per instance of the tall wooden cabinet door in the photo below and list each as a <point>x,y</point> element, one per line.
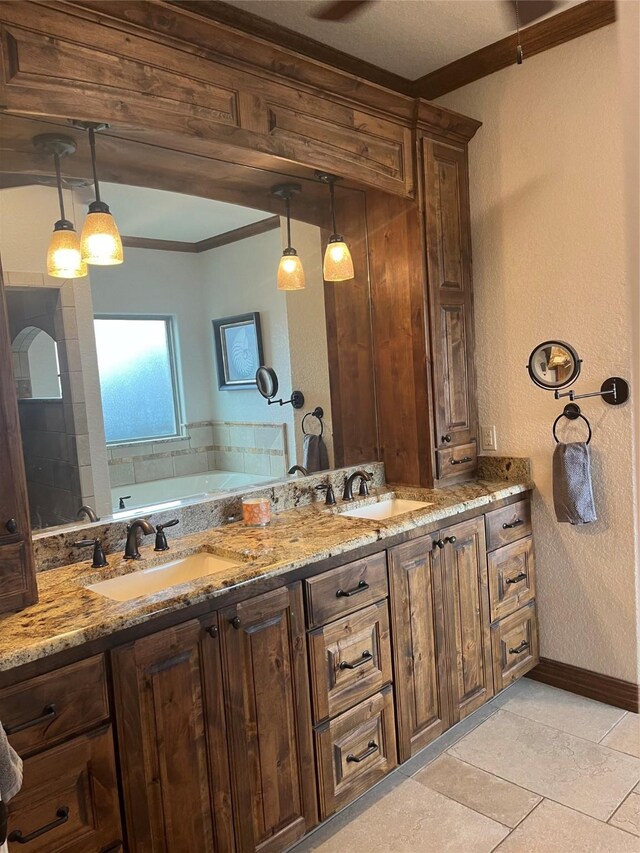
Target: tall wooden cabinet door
<point>17,572</point>
<point>161,713</point>
<point>269,718</point>
<point>466,593</point>
<point>448,244</point>
<point>418,643</point>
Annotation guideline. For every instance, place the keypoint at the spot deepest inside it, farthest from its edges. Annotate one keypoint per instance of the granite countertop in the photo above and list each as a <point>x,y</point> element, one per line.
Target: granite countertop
<point>69,615</point>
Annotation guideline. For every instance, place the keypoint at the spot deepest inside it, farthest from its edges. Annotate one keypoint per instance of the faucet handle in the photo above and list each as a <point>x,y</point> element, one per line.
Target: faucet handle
<point>363,491</point>
<point>330,500</point>
<point>99,560</point>
<point>161,536</point>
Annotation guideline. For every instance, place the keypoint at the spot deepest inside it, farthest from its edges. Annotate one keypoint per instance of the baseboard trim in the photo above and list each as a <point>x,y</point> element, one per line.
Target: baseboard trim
<point>584,682</point>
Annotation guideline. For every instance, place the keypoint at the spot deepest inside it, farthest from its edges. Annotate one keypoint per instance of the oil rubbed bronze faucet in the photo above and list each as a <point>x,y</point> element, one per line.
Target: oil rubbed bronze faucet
<point>347,495</point>
<point>131,548</point>
<point>299,468</point>
<point>89,512</point>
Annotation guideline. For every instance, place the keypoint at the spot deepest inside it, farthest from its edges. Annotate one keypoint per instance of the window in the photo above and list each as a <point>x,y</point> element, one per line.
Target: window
<point>137,378</point>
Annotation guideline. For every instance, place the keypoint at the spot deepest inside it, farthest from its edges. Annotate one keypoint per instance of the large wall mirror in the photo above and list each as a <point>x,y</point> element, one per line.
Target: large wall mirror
<point>124,401</point>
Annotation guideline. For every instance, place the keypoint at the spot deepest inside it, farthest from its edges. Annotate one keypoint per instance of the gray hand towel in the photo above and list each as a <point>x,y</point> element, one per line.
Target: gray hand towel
<point>10,768</point>
<point>315,454</point>
<point>572,489</point>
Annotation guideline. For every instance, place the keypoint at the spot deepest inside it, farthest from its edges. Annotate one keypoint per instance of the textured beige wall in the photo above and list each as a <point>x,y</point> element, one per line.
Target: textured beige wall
<point>548,227</point>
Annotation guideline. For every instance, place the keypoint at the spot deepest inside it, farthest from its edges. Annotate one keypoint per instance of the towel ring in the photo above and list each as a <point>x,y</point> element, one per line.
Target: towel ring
<point>571,412</point>
<point>318,413</point>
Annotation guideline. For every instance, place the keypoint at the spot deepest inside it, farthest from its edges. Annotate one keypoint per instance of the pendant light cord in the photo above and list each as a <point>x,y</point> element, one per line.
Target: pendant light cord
<point>287,202</point>
<point>92,145</point>
<point>56,160</point>
<point>332,190</point>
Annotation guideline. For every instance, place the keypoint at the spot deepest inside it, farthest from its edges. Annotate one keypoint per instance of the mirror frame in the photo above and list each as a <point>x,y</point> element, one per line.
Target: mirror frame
<point>577,365</point>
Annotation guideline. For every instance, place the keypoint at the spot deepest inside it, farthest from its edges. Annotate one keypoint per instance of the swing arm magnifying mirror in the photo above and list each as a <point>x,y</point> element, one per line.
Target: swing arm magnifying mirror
<point>553,365</point>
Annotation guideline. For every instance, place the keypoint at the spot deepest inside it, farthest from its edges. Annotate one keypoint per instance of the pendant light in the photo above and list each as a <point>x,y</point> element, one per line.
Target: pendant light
<point>64,259</point>
<point>100,240</point>
<point>290,272</point>
<point>338,264</point>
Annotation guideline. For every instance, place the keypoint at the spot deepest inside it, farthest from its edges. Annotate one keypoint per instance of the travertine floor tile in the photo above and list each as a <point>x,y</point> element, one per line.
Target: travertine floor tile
<point>585,776</point>
<point>560,709</point>
<point>628,815</point>
<point>408,819</point>
<point>626,735</point>
<point>477,789</point>
<point>552,828</point>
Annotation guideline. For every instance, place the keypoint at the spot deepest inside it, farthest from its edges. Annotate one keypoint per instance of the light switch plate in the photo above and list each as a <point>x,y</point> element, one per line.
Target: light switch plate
<point>488,438</point>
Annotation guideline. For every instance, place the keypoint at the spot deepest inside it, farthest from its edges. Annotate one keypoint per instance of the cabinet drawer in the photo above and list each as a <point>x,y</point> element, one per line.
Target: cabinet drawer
<point>350,659</point>
<point>508,524</point>
<point>456,460</point>
<point>514,641</point>
<point>345,589</point>
<point>44,710</point>
<point>69,801</point>
<point>355,751</point>
<point>511,578</point>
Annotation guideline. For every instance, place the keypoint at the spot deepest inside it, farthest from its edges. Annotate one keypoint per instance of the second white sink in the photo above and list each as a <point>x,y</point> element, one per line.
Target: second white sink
<point>158,578</point>
<point>386,509</point>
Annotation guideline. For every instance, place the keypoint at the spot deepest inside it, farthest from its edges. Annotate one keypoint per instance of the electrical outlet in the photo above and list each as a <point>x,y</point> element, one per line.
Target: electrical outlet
<point>489,441</point>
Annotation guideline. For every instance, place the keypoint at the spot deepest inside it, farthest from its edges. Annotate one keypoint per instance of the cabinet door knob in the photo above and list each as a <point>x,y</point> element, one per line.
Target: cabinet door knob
<point>451,539</point>
<point>439,543</point>
<point>446,439</point>
<point>12,526</point>
<point>236,622</point>
<point>213,631</point>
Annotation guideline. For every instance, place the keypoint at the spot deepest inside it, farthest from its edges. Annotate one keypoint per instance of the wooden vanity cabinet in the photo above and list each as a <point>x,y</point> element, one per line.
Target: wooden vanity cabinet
<point>417,617</point>
<point>266,683</point>
<point>214,723</point>
<point>450,293</point>
<point>17,572</point>
<point>172,740</point>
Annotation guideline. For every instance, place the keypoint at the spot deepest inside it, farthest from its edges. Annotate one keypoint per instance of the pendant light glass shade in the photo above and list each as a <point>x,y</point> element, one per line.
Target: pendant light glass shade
<point>338,263</point>
<point>100,242</point>
<point>64,259</point>
<point>290,272</point>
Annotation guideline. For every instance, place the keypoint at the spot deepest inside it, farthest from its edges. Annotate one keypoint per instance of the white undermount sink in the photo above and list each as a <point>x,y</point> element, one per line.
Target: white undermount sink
<point>388,508</point>
<point>158,578</point>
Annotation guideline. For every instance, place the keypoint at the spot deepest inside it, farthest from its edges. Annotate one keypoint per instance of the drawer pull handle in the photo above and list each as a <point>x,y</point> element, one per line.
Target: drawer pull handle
<point>519,577</point>
<point>346,593</point>
<point>48,713</point>
<point>460,461</point>
<point>62,816</point>
<point>11,526</point>
<point>523,645</point>
<point>366,657</point>
<point>512,524</point>
<point>372,747</point>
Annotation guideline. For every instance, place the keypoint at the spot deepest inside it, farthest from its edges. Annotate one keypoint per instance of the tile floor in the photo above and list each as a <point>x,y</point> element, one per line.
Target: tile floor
<point>537,770</point>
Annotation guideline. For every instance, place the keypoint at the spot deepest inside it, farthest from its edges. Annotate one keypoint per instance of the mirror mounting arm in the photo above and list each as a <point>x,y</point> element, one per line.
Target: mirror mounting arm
<point>614,391</point>
<point>296,400</point>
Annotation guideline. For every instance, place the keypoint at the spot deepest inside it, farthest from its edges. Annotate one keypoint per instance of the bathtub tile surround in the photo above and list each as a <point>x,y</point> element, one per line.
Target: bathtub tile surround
<point>251,448</point>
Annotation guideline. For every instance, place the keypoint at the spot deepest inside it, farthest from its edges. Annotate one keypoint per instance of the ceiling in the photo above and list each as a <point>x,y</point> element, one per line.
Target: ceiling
<point>406,37</point>
<point>162,215</point>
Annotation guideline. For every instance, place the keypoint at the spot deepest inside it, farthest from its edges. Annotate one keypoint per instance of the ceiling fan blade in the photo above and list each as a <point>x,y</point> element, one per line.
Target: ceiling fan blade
<point>530,10</point>
<point>340,10</point>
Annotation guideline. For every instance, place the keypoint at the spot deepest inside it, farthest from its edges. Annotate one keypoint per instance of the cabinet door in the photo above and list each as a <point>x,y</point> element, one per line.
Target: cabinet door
<point>165,688</point>
<point>269,716</point>
<point>448,244</point>
<point>17,574</point>
<point>418,642</point>
<point>467,616</point>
